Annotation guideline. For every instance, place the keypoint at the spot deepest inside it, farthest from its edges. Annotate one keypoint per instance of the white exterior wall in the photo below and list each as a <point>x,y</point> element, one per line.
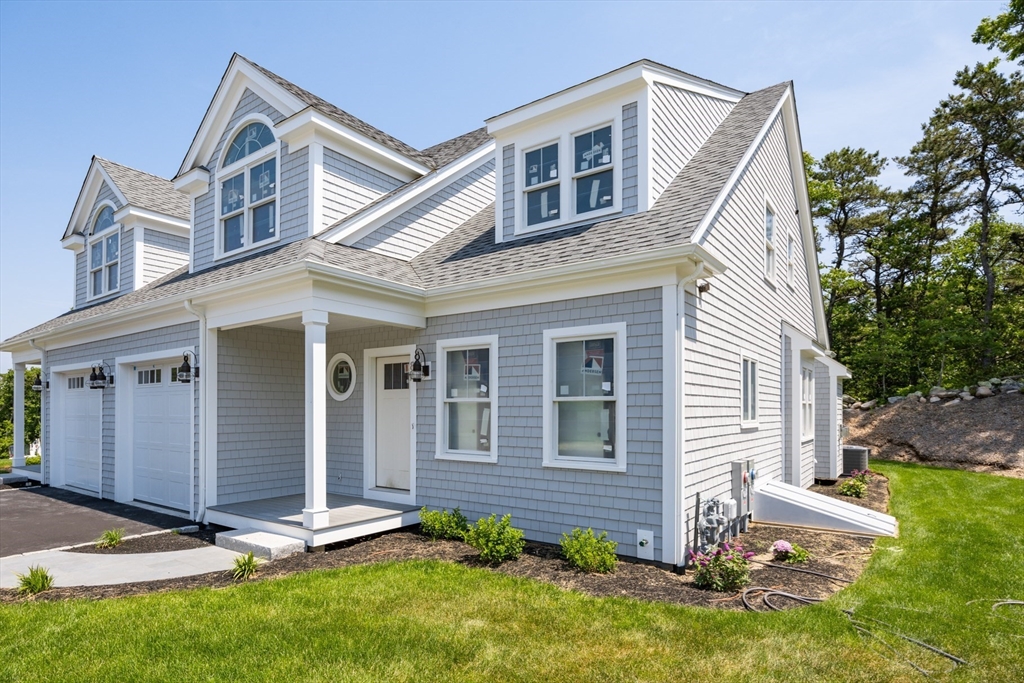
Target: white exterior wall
<point>742,313</point>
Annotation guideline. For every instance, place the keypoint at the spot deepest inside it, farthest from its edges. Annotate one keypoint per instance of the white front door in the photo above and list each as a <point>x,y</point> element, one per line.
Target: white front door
<point>394,423</point>
<point>162,438</point>
<point>82,425</point>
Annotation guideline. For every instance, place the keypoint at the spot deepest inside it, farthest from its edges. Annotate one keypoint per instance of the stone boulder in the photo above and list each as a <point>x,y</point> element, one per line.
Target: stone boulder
<point>983,392</point>
<point>895,399</point>
<point>868,405</point>
<point>955,400</point>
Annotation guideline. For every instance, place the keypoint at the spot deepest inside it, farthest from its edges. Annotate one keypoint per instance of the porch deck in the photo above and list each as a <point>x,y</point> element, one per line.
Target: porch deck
<point>32,472</point>
<point>349,517</point>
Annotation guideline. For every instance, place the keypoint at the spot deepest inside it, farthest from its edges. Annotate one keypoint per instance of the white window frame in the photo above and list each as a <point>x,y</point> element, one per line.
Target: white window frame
<point>335,360</point>
<point>751,421</point>
<point>242,166</point>
<point>806,403</point>
<point>104,267</point>
<point>790,261</point>
<point>567,180</point>
<point>769,254</point>
<point>617,331</point>
<point>490,342</point>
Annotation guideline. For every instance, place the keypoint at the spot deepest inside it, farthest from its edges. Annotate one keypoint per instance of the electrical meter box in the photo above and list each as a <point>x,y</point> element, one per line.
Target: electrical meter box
<point>742,489</point>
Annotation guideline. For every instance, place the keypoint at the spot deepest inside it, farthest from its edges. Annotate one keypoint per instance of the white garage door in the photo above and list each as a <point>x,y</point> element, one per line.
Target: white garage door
<point>82,407</point>
<point>162,438</point>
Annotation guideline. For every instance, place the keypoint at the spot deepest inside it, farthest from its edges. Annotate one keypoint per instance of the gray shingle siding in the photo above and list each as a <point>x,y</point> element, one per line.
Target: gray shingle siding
<point>294,195</point>
<point>349,185</point>
<point>630,159</point>
<point>105,194</point>
<point>823,407</point>
<point>249,104</point>
<point>162,253</point>
<point>81,278</point>
<point>173,338</point>
<point>126,269</point>
<point>260,414</point>
<point>508,192</point>
<point>543,501</point>
<point>415,230</point>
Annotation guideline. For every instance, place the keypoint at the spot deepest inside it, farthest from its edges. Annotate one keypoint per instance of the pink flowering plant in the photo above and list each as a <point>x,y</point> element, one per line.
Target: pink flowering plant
<point>862,475</point>
<point>784,551</point>
<point>722,568</point>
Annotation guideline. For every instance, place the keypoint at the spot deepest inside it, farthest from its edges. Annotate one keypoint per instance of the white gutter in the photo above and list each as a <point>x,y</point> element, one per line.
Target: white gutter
<point>200,313</point>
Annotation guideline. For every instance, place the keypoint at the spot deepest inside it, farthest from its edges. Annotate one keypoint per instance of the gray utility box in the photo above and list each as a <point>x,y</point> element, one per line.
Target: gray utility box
<point>741,492</point>
<point>855,458</point>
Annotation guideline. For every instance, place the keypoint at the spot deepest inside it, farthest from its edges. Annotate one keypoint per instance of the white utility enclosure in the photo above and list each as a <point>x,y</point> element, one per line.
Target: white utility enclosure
<point>778,503</point>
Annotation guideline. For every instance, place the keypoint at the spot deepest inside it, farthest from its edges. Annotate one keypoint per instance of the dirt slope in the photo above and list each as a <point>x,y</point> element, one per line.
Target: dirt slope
<point>985,435</point>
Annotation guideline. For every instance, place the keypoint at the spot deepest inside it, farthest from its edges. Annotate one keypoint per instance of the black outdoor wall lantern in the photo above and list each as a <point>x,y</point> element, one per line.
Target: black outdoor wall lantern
<point>99,379</point>
<point>420,369</point>
<point>38,385</point>
<point>185,372</point>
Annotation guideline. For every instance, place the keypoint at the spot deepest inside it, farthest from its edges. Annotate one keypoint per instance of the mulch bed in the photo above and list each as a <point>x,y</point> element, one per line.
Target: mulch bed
<point>164,542</point>
<point>838,555</point>
<point>877,497</point>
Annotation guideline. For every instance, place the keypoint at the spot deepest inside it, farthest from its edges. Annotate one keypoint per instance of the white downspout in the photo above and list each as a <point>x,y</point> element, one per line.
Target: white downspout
<point>44,401</point>
<point>201,315</point>
<point>682,530</point>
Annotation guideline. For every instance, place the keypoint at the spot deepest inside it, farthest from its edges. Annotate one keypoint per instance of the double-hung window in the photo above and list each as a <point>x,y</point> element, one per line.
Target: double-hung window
<point>467,417</point>
<point>748,392</point>
<point>104,254</point>
<point>248,189</point>
<point>806,402</point>
<point>769,244</point>
<point>592,170</point>
<point>585,397</point>
<point>543,189</point>
<point>790,264</point>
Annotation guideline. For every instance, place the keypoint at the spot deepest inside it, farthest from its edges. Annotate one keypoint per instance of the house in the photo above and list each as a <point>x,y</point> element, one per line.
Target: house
<point>607,296</point>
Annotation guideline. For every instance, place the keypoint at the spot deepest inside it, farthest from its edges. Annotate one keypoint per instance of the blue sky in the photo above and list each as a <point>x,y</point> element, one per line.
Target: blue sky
<point>131,82</point>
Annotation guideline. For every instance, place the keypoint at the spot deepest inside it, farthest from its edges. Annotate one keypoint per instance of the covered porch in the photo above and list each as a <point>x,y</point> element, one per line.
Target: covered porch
<point>286,451</point>
<point>347,517</point>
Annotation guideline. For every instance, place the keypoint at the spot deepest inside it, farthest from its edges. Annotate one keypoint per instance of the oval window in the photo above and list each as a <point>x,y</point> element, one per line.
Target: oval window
<point>341,376</point>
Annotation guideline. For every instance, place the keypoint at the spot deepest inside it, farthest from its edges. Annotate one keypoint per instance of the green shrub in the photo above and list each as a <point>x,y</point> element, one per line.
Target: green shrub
<point>722,569</point>
<point>584,550</point>
<point>853,487</point>
<point>437,524</point>
<point>111,538</point>
<point>33,460</point>
<point>246,567</point>
<point>496,541</point>
<point>37,580</point>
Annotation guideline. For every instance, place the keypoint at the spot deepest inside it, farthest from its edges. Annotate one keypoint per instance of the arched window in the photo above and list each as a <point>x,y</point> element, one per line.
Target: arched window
<point>250,139</point>
<point>104,220</point>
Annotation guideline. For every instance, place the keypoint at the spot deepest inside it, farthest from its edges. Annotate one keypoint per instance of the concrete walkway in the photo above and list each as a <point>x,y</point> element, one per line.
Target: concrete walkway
<point>87,569</point>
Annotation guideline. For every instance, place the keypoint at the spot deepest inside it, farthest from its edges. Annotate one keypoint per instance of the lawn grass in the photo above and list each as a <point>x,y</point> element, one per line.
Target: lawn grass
<point>960,539</point>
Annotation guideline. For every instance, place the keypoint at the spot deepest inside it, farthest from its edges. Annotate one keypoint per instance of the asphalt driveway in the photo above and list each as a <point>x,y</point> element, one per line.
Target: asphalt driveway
<point>41,518</point>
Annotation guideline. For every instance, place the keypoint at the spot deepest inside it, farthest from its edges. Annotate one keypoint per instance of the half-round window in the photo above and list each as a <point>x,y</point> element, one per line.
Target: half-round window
<point>104,220</point>
<point>252,138</point>
<point>341,376</point>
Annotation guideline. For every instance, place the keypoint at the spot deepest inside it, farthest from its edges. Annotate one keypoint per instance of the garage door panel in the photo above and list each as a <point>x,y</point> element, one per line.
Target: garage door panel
<point>162,436</point>
<point>82,439</point>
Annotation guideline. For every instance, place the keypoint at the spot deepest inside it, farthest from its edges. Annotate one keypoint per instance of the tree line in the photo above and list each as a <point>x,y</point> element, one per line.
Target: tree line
<point>924,285</point>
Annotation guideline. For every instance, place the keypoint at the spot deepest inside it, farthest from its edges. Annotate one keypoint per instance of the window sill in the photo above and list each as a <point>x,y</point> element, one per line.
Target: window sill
<point>591,465</point>
<point>225,255</point>
<point>749,426</point>
<point>584,219</point>
<point>467,457</point>
<point>806,439</point>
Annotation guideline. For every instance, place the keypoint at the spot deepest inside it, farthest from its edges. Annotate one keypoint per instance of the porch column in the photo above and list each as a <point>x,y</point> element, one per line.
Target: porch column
<point>315,514</point>
<point>19,415</point>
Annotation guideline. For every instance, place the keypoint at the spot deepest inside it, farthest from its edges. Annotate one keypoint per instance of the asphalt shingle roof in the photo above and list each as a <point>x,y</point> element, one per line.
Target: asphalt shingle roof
<point>146,190</point>
<point>469,253</point>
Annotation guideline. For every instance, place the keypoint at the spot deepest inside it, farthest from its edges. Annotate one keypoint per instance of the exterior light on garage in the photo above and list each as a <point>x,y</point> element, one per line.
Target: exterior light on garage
<point>185,372</point>
<point>420,369</point>
<point>38,384</point>
<point>99,379</point>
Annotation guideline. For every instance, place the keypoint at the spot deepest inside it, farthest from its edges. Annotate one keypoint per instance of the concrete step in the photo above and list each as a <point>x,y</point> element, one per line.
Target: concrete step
<point>260,543</point>
<point>12,480</point>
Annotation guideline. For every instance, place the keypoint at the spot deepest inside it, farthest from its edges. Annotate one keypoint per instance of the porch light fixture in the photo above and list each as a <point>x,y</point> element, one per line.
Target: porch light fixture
<point>99,379</point>
<point>420,369</point>
<point>38,385</point>
<point>185,372</point>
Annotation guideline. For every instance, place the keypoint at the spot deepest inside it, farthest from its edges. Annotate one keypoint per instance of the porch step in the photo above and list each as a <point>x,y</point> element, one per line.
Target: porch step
<point>13,480</point>
<point>260,543</point>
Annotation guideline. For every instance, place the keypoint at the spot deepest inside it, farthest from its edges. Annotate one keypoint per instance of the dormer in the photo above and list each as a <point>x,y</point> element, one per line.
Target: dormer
<point>605,148</point>
<point>128,229</point>
<point>272,163</point>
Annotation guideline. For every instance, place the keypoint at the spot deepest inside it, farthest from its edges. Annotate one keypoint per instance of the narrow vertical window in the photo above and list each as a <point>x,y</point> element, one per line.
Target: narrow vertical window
<point>769,244</point>
<point>790,266</point>
<point>748,391</point>
<point>806,402</point>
